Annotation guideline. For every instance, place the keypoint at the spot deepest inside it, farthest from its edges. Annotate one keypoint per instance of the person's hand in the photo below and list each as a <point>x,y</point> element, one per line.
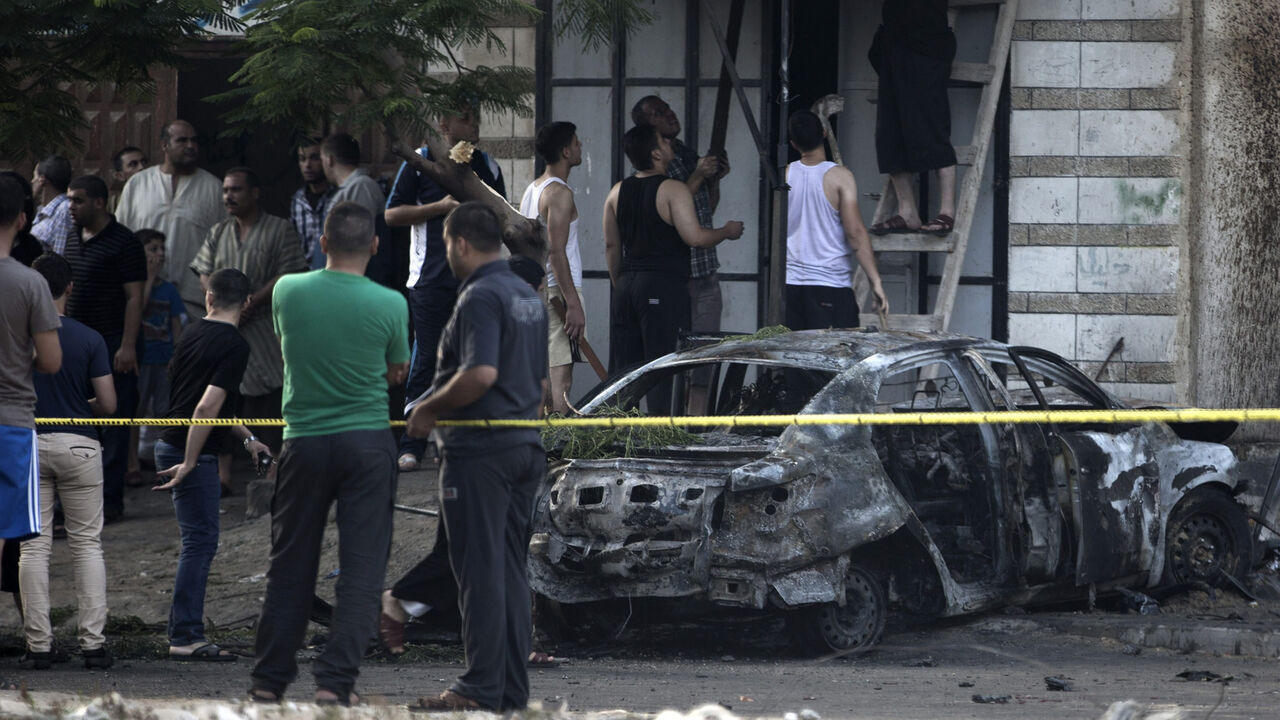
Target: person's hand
<point>155,263</point>
<point>575,321</point>
<point>176,474</point>
<point>724,167</point>
<point>707,167</point>
<point>256,447</point>
<point>421,422</point>
<point>126,359</point>
<point>881,300</point>
<point>449,202</point>
<point>733,229</point>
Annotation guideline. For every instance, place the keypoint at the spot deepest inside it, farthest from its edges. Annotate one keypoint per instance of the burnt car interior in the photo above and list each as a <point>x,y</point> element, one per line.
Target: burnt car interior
<point>725,388</point>
<point>943,471</point>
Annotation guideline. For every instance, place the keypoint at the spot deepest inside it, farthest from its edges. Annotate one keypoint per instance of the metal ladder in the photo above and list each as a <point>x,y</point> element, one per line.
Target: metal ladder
<point>990,76</point>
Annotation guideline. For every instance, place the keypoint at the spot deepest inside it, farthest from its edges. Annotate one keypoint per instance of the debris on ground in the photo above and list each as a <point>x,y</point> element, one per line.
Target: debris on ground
<point>1058,683</point>
<point>992,699</point>
<point>966,683</point>
<point>1130,710</point>
<point>925,661</point>
<point>1204,676</point>
<point>1131,649</point>
<point>1140,603</point>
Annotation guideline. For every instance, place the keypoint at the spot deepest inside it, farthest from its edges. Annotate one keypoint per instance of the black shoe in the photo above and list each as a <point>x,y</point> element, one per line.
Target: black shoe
<point>99,659</point>
<point>36,661</point>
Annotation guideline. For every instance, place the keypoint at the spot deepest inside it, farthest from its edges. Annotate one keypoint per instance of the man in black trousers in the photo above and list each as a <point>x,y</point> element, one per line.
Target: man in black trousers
<point>492,364</point>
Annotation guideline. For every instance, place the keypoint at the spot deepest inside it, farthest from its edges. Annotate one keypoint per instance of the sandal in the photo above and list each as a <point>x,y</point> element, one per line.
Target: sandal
<point>407,462</point>
<point>263,696</point>
<point>940,225</point>
<point>447,701</point>
<point>351,699</point>
<point>538,659</point>
<point>209,652</point>
<point>391,633</point>
<point>894,224</point>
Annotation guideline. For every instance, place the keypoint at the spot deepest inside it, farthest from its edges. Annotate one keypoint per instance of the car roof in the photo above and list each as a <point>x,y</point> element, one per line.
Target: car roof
<point>836,349</point>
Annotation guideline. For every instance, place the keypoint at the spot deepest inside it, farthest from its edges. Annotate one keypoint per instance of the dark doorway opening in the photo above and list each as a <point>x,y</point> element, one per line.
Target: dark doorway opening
<point>814,67</point>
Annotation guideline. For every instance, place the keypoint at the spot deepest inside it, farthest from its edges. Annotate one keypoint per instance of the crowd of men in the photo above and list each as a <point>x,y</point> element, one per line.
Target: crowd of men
<point>179,297</point>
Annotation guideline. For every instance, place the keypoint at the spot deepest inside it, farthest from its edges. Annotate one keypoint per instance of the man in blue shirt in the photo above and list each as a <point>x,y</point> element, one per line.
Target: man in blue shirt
<point>492,364</point>
<point>417,201</point>
<point>71,465</point>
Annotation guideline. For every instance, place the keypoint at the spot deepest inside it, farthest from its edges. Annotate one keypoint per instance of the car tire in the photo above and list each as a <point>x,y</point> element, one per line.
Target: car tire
<point>1208,534</point>
<point>855,627</point>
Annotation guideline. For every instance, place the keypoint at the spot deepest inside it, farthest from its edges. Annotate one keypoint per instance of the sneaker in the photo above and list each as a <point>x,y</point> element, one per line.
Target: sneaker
<point>99,659</point>
<point>36,660</point>
<point>407,462</point>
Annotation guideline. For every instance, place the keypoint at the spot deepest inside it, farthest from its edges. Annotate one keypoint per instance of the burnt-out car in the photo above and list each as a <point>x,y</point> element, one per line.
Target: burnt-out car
<point>833,524</point>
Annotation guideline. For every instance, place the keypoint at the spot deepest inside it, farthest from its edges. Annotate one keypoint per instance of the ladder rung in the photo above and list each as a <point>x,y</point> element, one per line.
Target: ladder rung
<point>913,242</point>
<point>964,154</point>
<point>920,323</point>
<point>972,72</point>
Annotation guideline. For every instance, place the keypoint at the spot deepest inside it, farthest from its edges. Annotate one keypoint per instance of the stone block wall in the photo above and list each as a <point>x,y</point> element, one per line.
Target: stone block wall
<point>1095,206</point>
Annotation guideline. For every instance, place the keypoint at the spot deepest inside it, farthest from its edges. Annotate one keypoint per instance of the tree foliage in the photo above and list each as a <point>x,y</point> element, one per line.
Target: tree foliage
<point>47,44</point>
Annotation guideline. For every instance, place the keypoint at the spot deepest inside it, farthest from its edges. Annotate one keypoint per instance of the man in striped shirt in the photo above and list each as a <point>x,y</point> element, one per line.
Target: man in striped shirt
<point>265,248</point>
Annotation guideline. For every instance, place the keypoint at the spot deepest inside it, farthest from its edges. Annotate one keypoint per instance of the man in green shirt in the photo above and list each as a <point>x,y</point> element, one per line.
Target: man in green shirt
<point>344,340</point>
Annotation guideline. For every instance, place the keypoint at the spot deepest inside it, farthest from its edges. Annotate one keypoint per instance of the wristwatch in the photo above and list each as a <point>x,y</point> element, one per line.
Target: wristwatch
<point>251,438</point>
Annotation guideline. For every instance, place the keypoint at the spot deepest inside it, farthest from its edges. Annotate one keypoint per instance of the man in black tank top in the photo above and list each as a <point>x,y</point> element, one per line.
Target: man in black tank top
<point>649,226</point>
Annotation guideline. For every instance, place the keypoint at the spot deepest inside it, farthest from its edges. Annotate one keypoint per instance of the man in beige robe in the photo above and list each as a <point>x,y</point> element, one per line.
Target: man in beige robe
<point>180,200</point>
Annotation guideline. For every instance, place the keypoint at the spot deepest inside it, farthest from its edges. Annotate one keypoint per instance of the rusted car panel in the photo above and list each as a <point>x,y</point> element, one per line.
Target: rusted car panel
<point>988,514</point>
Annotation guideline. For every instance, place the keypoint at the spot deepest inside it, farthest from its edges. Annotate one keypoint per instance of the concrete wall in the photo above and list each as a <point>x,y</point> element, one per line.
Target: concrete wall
<point>1096,201</point>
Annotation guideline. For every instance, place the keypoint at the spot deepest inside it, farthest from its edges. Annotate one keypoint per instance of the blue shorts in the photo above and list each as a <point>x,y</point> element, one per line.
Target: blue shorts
<point>19,483</point>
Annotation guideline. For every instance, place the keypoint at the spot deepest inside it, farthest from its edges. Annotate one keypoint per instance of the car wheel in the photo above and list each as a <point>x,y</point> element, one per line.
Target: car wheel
<point>854,627</point>
<point>1208,534</point>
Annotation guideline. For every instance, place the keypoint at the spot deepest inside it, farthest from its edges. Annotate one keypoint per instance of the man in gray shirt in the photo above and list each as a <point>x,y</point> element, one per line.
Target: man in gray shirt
<point>28,342</point>
<point>340,158</point>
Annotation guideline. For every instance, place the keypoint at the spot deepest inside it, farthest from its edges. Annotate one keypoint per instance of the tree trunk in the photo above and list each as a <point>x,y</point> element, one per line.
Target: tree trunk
<point>521,235</point>
<point>1233,205</point>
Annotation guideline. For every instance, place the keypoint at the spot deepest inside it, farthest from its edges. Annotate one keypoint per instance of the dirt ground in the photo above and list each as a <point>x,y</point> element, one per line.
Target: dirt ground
<point>920,671</point>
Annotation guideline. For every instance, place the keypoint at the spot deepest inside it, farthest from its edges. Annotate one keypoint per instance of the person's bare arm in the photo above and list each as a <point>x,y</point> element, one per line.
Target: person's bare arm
<point>103,402</point>
<point>48,351</point>
<point>407,215</point>
<point>612,237</point>
<point>396,373</point>
<point>126,359</point>
<point>675,198</point>
<point>462,389</point>
<point>558,208</point>
<point>855,233</point>
<point>208,407</point>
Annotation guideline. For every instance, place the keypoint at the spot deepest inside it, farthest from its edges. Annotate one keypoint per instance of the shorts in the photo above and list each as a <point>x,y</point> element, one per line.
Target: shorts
<point>19,483</point>
<point>560,351</point>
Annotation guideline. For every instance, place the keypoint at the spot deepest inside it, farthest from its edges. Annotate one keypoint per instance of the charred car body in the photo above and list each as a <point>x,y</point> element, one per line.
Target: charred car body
<point>834,523</point>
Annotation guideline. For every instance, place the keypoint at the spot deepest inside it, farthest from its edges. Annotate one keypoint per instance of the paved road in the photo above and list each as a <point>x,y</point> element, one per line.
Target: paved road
<point>916,673</point>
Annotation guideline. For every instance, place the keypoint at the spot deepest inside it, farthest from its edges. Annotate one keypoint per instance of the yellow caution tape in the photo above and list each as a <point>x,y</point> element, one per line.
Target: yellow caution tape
<point>908,418</point>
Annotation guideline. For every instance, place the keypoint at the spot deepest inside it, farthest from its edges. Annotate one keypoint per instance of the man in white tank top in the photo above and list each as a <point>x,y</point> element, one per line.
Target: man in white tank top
<point>823,226</point>
<point>551,199</point>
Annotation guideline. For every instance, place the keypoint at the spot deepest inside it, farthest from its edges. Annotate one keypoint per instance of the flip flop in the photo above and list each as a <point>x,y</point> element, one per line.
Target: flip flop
<point>539,659</point>
<point>447,701</point>
<point>263,696</point>
<point>208,652</point>
<point>337,700</point>
<point>894,224</point>
<point>391,633</point>
<point>945,224</point>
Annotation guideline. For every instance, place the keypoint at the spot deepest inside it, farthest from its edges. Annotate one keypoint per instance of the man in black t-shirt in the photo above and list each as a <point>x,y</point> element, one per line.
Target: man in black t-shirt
<point>108,267</point>
<point>205,373</point>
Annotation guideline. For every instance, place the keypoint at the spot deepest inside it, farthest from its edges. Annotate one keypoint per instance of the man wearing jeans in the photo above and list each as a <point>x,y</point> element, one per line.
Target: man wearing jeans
<point>344,339</point>
<point>208,366</point>
<point>71,465</point>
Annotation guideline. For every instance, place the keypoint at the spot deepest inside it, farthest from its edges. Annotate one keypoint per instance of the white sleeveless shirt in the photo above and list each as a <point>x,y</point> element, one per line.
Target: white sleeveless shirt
<point>529,208</point>
<point>817,253</point>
